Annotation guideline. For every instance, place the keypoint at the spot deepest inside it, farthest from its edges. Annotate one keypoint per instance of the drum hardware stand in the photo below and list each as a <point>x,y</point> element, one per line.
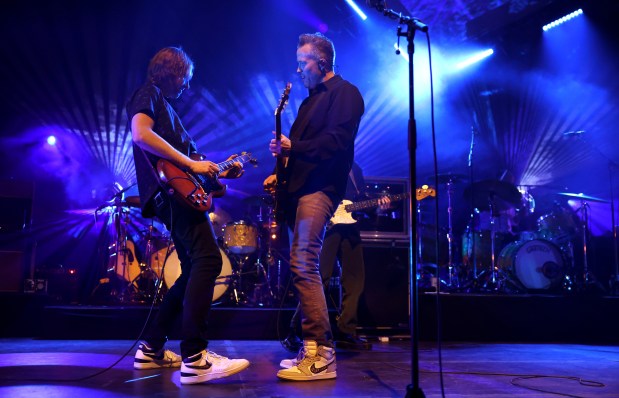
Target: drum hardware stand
<point>452,277</point>
<point>119,254</point>
<point>588,279</point>
<point>259,291</point>
<point>147,280</point>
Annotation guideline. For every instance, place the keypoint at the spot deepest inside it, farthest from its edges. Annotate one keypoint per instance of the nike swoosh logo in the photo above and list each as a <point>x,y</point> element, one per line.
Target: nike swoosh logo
<point>199,367</point>
<point>316,370</point>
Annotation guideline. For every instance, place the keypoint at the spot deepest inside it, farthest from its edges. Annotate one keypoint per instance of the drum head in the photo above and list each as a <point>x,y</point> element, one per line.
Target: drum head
<point>538,264</point>
<point>172,271</point>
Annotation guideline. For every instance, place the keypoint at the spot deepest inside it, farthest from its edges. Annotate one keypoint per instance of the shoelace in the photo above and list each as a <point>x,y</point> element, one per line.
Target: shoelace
<point>215,355</point>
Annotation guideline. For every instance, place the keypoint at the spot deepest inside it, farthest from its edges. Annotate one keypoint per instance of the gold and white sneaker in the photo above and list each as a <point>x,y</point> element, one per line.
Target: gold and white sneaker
<point>313,363</point>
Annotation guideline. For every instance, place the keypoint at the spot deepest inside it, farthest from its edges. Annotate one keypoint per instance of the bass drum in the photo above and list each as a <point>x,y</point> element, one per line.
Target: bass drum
<point>172,271</point>
<point>537,264</point>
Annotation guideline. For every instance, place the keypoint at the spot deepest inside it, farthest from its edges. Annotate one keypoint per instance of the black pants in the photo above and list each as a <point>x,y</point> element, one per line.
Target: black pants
<point>192,293</point>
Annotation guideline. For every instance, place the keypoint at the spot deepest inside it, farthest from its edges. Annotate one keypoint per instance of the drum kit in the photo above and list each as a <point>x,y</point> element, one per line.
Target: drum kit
<point>506,248</point>
<point>140,273</point>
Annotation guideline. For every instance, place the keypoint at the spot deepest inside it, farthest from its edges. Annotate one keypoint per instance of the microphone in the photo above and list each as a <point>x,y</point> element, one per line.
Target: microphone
<point>572,133</point>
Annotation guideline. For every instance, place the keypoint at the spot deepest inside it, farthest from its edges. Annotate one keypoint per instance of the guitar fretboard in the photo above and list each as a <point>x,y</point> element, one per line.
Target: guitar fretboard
<point>225,165</point>
<point>365,204</point>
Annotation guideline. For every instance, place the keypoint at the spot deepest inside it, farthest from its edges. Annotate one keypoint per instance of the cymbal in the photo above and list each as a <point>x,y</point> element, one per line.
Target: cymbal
<point>583,197</point>
<point>503,194</point>
<point>444,178</point>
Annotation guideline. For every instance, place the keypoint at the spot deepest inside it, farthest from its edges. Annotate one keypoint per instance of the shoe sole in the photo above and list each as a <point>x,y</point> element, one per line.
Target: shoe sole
<point>154,365</point>
<point>212,376</point>
<point>302,377</point>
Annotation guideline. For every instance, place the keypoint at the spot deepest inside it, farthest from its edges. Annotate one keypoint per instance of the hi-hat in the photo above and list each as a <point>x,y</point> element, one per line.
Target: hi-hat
<point>501,194</point>
<point>583,197</point>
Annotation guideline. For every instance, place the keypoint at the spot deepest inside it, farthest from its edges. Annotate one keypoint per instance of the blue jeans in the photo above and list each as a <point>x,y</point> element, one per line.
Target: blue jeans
<point>307,230</point>
<point>192,293</point>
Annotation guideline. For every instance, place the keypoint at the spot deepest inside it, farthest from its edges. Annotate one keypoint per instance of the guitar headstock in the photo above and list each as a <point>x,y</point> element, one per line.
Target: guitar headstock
<point>424,192</point>
<point>251,160</point>
<point>283,101</point>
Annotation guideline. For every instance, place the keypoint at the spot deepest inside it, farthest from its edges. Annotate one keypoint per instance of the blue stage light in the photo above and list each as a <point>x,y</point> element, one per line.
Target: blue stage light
<point>51,140</point>
<point>562,20</point>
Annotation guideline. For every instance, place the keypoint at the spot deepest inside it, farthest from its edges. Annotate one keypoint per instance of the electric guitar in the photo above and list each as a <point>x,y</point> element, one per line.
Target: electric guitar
<point>343,213</point>
<point>194,190</point>
<point>281,186</point>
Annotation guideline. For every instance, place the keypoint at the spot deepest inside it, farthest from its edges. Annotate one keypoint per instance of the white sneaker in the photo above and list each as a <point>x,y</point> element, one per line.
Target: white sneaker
<point>146,358</point>
<point>313,363</point>
<point>206,365</point>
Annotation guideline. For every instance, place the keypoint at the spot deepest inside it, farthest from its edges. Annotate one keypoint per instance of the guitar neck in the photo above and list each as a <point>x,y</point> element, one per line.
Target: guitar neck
<point>366,204</point>
<point>225,165</point>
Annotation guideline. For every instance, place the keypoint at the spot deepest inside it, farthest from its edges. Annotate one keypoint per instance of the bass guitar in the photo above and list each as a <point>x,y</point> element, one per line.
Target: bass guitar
<point>343,213</point>
<point>279,195</point>
<point>194,190</point>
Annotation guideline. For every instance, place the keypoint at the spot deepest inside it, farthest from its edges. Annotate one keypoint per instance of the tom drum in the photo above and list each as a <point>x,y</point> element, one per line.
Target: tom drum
<point>240,237</point>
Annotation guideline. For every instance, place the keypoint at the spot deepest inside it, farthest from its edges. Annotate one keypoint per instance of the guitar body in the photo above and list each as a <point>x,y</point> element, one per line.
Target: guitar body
<point>192,190</point>
<point>341,216</point>
<point>343,213</point>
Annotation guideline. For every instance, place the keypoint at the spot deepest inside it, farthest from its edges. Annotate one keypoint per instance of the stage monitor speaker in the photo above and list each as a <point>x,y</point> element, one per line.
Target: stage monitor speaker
<point>12,266</point>
<point>385,302</point>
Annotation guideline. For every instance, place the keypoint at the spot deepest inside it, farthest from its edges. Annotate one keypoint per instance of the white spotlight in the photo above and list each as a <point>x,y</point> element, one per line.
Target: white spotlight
<point>474,58</point>
<point>356,8</point>
<point>51,140</point>
<point>562,20</point>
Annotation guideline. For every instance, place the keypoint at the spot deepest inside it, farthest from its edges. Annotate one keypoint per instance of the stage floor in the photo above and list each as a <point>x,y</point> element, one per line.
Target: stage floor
<point>61,368</point>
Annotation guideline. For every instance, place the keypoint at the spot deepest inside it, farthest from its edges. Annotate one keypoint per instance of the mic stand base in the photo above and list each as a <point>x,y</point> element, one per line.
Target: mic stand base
<point>414,392</point>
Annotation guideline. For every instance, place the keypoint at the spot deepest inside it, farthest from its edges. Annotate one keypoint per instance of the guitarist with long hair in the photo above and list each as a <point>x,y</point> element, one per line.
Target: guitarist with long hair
<point>318,155</point>
<point>159,138</point>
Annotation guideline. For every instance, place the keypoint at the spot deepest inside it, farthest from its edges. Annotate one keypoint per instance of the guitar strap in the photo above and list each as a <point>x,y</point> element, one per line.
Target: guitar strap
<point>354,182</point>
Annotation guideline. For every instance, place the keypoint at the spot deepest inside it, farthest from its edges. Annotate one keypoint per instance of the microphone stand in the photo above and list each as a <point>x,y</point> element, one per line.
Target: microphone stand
<point>412,24</point>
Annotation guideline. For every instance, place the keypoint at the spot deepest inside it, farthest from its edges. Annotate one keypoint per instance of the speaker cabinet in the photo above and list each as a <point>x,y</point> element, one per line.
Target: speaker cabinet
<point>385,300</point>
<point>12,266</point>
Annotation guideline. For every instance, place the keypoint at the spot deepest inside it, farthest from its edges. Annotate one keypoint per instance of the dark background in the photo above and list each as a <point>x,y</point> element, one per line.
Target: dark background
<point>68,68</point>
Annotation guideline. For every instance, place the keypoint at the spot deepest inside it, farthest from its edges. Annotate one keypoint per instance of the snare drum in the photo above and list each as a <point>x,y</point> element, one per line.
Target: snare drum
<point>537,263</point>
<point>172,270</point>
<point>240,237</point>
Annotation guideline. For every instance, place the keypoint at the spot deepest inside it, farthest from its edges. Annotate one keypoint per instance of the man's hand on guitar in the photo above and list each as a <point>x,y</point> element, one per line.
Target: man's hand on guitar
<point>235,172</point>
<point>270,184</point>
<point>282,148</point>
<point>204,167</point>
<point>384,203</point>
